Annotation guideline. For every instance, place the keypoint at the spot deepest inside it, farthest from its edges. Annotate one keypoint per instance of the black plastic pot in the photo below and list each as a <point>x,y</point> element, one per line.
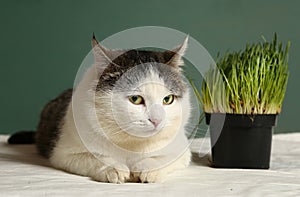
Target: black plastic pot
<point>241,141</point>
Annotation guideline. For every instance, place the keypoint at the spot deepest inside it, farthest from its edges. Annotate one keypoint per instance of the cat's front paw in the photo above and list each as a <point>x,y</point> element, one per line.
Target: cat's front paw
<point>148,171</point>
<point>154,176</point>
<point>117,173</point>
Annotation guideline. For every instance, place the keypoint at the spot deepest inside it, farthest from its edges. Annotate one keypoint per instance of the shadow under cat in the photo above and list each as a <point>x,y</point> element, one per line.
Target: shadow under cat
<point>28,154</point>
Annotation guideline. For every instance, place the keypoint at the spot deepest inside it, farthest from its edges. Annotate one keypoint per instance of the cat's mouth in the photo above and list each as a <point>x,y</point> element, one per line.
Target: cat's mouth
<point>158,127</point>
<point>145,131</point>
<point>142,128</point>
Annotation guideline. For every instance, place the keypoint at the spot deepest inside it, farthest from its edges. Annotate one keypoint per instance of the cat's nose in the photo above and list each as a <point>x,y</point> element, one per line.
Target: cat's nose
<point>156,114</point>
<point>155,121</point>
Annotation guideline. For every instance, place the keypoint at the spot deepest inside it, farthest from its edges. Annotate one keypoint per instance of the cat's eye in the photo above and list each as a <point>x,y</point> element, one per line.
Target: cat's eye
<point>168,99</point>
<point>136,99</point>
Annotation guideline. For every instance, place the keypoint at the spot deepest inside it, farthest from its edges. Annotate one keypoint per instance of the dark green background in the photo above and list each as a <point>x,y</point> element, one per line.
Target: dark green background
<point>43,42</point>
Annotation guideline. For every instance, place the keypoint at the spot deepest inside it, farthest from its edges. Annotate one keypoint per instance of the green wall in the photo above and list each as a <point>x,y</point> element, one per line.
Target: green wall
<point>43,42</point>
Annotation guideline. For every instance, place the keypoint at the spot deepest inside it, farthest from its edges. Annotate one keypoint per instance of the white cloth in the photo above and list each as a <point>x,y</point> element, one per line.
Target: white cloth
<point>24,173</point>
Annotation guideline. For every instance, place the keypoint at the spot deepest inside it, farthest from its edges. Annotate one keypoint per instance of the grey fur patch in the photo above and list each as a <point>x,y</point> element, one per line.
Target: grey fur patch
<point>172,79</point>
<point>50,120</point>
<point>133,66</point>
<point>136,76</point>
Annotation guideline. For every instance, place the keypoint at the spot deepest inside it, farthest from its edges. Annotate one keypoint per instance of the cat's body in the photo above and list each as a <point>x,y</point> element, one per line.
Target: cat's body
<point>125,121</point>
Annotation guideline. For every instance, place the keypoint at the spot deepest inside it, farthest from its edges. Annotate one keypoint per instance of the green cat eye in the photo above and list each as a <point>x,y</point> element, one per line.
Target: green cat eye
<point>136,99</point>
<point>168,99</point>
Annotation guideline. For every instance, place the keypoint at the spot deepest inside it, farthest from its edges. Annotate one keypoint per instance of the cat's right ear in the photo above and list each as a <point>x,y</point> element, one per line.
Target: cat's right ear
<point>103,56</point>
<point>174,57</point>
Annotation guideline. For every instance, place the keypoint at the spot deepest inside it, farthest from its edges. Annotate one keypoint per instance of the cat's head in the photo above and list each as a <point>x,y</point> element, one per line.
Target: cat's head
<point>141,95</point>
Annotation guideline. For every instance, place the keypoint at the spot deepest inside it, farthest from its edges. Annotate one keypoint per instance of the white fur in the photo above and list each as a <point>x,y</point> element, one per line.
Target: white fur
<point>107,153</point>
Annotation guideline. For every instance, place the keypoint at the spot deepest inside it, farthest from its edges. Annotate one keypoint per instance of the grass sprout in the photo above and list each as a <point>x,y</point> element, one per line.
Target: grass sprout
<point>252,81</point>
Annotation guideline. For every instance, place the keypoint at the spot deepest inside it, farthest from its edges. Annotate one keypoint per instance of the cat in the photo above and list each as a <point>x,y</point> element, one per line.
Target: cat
<point>124,122</point>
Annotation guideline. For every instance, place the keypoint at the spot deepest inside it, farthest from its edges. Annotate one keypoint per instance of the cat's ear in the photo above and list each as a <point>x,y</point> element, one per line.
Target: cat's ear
<point>103,56</point>
<point>174,57</point>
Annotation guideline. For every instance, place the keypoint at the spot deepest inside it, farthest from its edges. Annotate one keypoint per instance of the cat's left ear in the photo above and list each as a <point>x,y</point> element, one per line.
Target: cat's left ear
<point>174,56</point>
<point>103,56</point>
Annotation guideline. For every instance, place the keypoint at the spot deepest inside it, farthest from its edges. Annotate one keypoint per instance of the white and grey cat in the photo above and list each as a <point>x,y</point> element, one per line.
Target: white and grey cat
<point>130,125</point>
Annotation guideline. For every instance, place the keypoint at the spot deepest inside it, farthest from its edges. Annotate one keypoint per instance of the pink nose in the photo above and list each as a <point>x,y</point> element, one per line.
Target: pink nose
<point>155,122</point>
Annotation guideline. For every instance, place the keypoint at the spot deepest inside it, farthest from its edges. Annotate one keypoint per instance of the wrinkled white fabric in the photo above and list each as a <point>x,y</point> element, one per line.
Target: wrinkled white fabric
<point>24,173</point>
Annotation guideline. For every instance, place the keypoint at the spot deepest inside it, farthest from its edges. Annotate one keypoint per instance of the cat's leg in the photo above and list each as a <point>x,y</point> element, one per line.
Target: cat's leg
<point>155,169</point>
<point>100,168</point>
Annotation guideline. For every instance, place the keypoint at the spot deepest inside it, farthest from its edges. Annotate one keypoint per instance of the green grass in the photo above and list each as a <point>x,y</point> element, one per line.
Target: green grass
<point>252,81</point>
